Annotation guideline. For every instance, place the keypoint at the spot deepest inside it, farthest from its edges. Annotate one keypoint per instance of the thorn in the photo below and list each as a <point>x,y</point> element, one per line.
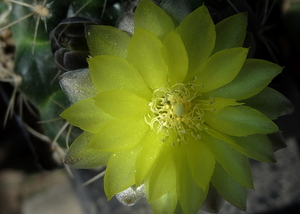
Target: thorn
<point>100,175</point>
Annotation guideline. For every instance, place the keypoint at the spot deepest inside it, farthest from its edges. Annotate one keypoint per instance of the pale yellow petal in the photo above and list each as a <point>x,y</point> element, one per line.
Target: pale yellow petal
<point>201,162</point>
<point>165,204</point>
<point>231,32</point>
<point>107,40</point>
<point>240,121</point>
<point>254,76</point>
<point>151,17</point>
<point>163,176</point>
<point>119,135</point>
<point>235,164</point>
<point>152,144</point>
<point>220,69</point>
<point>81,156</point>
<point>122,104</point>
<point>176,58</point>
<point>197,32</point>
<point>190,195</point>
<point>229,189</point>
<point>86,115</point>
<point>114,73</point>
<point>258,147</point>
<point>144,52</point>
<point>119,173</point>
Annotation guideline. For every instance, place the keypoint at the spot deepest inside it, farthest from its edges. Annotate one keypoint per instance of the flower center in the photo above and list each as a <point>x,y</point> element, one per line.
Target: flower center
<point>177,110</point>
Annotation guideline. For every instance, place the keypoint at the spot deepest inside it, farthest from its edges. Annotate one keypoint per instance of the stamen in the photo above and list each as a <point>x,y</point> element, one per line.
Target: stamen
<point>179,109</point>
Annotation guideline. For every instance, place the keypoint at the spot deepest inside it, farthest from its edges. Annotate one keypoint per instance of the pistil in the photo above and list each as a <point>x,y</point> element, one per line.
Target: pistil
<point>177,109</point>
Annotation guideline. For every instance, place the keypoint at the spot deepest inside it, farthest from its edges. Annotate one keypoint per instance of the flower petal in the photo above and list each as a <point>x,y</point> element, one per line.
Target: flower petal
<point>119,173</point>
<point>240,121</point>
<point>235,164</point>
<point>190,195</point>
<point>114,73</point>
<point>231,32</point>
<point>175,57</point>
<point>122,104</point>
<point>271,103</point>
<point>107,40</point>
<point>213,202</point>
<point>80,156</point>
<point>118,135</point>
<point>163,176</point>
<point>86,115</point>
<point>152,18</point>
<point>222,137</point>
<point>221,68</point>
<point>277,140</point>
<point>77,85</point>
<point>165,204</point>
<point>151,148</point>
<point>144,52</point>
<point>228,188</point>
<point>197,32</point>
<point>216,104</point>
<point>257,147</point>
<point>201,162</point>
<point>254,76</point>
<point>177,10</point>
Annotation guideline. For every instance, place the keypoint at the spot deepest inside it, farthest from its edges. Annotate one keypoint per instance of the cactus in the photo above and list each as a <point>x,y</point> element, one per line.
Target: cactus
<point>40,58</point>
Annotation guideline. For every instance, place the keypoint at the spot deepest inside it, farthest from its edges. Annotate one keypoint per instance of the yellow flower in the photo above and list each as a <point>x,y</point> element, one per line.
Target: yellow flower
<point>176,108</point>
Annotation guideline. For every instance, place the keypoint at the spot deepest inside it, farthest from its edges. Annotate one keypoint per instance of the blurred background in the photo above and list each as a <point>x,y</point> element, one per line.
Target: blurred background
<point>33,179</point>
